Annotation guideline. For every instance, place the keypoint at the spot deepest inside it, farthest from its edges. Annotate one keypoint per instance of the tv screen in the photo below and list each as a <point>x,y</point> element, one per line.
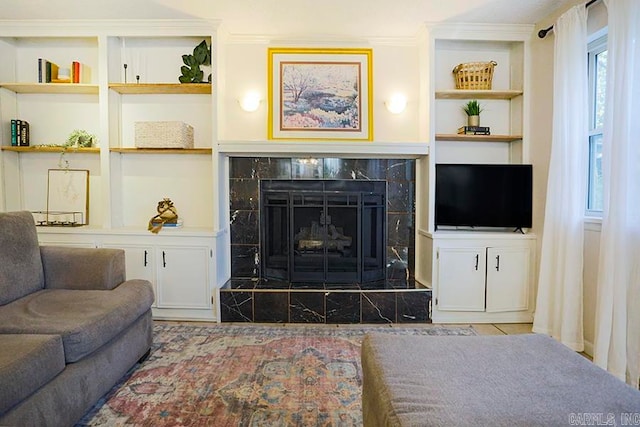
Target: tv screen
<point>483,195</point>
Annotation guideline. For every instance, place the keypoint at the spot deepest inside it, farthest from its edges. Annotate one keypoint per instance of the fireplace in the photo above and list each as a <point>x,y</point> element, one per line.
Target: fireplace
<point>323,231</point>
<point>340,247</point>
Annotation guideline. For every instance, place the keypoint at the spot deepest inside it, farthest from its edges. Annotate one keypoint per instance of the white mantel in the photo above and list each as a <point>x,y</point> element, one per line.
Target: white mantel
<point>346,149</point>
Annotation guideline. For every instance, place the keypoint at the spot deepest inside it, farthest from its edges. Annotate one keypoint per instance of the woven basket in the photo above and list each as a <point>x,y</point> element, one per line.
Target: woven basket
<point>163,135</point>
<point>474,75</point>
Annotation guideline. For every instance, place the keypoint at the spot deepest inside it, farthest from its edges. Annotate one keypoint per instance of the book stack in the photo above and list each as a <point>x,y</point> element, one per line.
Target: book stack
<point>48,72</point>
<point>19,133</point>
<point>474,130</point>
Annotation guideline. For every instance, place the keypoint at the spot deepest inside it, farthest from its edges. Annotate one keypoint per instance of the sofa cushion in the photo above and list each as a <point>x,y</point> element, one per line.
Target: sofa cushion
<point>27,362</point>
<point>86,319</point>
<point>20,265</point>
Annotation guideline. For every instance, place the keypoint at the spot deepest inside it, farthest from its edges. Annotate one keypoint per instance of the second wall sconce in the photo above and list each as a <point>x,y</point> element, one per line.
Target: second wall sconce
<point>397,103</point>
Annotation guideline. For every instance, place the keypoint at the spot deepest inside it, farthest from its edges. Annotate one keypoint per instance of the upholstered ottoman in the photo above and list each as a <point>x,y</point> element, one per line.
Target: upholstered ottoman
<point>486,380</point>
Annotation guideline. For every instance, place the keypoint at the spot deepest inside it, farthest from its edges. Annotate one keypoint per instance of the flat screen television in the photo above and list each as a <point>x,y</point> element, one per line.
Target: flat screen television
<point>483,195</point>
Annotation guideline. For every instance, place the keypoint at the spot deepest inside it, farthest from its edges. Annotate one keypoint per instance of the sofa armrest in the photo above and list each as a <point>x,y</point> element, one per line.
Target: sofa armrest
<point>82,268</point>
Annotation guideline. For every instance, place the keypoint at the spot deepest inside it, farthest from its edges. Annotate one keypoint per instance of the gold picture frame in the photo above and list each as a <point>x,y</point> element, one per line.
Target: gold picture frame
<point>320,94</point>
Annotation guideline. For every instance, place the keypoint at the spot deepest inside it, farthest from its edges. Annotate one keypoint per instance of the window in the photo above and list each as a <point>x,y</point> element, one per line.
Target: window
<point>597,52</point>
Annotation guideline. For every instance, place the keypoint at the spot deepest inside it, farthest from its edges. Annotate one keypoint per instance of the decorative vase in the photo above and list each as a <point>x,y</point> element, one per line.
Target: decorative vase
<point>473,120</point>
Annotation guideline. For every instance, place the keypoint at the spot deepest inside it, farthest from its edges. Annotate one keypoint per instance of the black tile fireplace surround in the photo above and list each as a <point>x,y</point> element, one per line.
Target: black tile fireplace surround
<point>252,297</point>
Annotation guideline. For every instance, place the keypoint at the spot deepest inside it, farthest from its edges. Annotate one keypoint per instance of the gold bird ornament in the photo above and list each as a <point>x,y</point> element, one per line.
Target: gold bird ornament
<point>167,214</point>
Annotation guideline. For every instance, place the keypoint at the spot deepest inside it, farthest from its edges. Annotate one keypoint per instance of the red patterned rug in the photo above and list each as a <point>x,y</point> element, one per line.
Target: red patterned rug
<point>228,375</point>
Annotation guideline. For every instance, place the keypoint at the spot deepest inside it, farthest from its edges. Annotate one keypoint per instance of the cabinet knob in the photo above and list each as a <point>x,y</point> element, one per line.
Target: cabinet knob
<point>477,260</point>
<point>497,262</point>
<point>164,259</point>
<point>145,257</point>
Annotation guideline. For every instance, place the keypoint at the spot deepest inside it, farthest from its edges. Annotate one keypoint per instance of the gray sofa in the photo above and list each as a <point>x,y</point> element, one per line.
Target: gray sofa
<point>71,325</point>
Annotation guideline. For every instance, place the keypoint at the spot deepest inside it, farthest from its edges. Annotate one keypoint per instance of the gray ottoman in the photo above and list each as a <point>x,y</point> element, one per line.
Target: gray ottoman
<point>508,380</point>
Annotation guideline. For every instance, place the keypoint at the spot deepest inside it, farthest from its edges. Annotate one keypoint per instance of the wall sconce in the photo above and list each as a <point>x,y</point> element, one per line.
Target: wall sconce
<point>397,103</point>
<point>250,102</point>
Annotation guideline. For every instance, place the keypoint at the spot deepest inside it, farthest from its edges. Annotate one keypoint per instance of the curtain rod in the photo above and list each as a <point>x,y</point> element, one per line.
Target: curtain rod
<point>543,33</point>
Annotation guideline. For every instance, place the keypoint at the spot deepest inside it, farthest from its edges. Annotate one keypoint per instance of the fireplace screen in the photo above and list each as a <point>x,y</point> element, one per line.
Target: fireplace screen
<point>323,230</point>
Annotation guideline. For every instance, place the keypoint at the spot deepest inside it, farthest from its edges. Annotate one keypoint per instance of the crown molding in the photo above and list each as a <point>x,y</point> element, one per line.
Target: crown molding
<point>315,40</point>
<point>475,31</point>
<point>106,27</point>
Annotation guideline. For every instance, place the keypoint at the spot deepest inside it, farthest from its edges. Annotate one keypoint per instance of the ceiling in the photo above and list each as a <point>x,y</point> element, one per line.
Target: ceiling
<point>327,17</point>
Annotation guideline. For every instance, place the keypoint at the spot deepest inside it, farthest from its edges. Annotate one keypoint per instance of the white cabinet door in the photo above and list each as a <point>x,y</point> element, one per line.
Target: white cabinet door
<point>508,279</point>
<point>139,262</point>
<point>183,277</point>
<point>461,279</point>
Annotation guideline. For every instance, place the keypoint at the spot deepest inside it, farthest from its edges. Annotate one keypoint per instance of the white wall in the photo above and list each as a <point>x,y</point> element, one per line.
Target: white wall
<point>395,69</point>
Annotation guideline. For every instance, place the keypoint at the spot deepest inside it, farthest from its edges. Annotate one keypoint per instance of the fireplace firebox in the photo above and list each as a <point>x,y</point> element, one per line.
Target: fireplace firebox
<point>323,231</point>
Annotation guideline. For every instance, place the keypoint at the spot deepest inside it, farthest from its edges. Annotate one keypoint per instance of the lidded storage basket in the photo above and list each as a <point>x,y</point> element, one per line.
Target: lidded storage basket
<point>474,75</point>
<point>163,135</point>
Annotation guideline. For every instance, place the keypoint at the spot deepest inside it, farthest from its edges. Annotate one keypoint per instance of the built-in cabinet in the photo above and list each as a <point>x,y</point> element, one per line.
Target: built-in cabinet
<point>180,266</point>
<point>476,275</point>
<point>488,274</point>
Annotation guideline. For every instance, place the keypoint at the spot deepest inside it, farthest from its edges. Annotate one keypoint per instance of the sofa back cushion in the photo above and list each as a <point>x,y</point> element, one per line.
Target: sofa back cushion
<point>21,270</point>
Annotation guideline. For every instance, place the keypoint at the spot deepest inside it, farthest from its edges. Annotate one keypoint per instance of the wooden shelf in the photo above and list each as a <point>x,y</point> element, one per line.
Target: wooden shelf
<point>51,149</point>
<point>72,88</point>
<point>162,150</point>
<point>479,94</point>
<point>161,88</point>
<point>478,138</point>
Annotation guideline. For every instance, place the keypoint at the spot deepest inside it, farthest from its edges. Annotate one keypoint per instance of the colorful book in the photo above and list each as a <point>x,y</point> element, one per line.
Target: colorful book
<point>80,73</point>
<point>40,74</point>
<point>14,132</point>
<point>24,133</point>
<point>18,131</point>
<point>75,72</point>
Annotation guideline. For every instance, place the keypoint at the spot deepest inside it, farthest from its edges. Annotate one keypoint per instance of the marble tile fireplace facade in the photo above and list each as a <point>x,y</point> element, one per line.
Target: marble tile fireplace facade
<point>250,297</point>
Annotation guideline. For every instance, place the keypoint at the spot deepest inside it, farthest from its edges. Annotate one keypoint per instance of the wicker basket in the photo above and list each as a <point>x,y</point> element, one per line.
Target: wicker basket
<point>474,75</point>
<point>163,135</point>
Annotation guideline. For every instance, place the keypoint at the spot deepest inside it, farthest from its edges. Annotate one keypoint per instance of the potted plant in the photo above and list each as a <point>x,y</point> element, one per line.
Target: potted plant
<point>473,110</point>
<point>79,138</point>
<point>191,72</point>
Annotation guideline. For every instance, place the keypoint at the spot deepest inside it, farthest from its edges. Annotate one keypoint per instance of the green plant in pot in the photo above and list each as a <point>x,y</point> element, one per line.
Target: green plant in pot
<point>79,138</point>
<point>191,72</point>
<point>473,110</point>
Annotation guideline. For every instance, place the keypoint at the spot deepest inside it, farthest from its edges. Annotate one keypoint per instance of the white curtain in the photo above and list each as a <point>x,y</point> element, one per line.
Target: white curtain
<point>617,338</point>
<point>559,301</point>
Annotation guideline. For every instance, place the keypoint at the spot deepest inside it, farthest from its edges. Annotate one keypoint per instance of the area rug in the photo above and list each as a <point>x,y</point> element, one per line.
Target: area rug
<point>253,375</point>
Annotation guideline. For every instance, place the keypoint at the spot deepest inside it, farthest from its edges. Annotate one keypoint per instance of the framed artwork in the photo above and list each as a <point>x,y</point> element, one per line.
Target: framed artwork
<point>320,94</point>
<point>68,197</point>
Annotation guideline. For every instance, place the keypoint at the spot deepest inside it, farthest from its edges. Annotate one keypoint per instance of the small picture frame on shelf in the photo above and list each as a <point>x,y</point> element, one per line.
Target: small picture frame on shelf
<point>68,192</point>
<point>320,93</point>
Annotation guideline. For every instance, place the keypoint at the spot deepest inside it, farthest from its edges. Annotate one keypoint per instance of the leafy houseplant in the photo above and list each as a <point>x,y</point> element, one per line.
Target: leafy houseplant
<point>79,138</point>
<point>473,110</point>
<point>191,72</point>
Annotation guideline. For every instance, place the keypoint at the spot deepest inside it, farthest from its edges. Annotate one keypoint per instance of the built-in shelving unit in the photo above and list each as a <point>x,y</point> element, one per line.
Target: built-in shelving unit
<point>460,264</point>
<point>125,183</point>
